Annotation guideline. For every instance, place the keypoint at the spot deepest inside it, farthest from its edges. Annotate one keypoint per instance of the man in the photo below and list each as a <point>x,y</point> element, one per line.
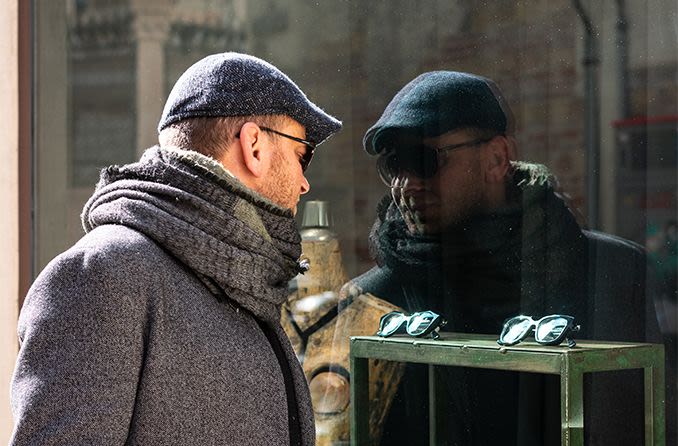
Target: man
<point>478,237</point>
<point>161,325</point>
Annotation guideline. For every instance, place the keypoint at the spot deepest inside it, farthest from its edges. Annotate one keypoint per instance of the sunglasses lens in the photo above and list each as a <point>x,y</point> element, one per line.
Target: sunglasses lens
<point>515,330</point>
<point>551,330</point>
<point>420,160</point>
<point>387,166</point>
<point>390,323</point>
<point>306,159</point>
<point>421,323</point>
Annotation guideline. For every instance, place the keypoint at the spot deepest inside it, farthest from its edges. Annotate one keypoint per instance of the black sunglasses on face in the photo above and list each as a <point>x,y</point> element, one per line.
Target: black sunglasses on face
<point>310,146</point>
<point>419,159</point>
<point>549,330</point>
<point>419,324</point>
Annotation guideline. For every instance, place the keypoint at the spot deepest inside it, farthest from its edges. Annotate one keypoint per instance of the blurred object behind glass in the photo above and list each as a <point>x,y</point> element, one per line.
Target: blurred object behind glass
<point>319,318</point>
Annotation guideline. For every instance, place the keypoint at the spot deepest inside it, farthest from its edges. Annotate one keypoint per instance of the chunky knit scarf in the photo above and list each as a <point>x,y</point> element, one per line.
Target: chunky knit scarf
<point>236,241</point>
<point>243,247</point>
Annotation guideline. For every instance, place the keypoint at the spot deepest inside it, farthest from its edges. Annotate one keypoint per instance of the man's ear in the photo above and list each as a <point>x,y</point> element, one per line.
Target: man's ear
<point>498,154</point>
<point>251,146</point>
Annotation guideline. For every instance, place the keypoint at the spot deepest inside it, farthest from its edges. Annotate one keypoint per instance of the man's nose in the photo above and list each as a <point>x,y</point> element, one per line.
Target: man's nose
<point>407,181</point>
<point>305,185</point>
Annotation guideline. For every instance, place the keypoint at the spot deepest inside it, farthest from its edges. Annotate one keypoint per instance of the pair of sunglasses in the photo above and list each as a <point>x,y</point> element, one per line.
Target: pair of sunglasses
<point>418,324</point>
<point>310,146</point>
<point>549,330</point>
<point>305,160</point>
<point>419,159</point>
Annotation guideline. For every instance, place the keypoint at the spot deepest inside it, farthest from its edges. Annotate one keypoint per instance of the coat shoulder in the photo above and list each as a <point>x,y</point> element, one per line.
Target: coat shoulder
<point>112,266</point>
<point>114,253</point>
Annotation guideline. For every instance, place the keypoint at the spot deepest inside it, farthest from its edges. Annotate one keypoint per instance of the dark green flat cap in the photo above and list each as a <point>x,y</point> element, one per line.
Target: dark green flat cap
<point>437,102</point>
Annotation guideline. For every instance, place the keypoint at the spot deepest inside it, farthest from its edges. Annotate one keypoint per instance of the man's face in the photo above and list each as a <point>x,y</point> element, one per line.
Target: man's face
<point>454,193</point>
<point>285,180</point>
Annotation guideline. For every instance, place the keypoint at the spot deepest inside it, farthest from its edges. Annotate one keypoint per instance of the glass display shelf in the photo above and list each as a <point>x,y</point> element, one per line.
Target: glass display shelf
<point>482,351</point>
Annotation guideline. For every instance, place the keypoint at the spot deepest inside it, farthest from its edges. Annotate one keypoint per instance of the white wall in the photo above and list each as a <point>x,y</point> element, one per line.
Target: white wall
<point>50,115</point>
<point>9,197</point>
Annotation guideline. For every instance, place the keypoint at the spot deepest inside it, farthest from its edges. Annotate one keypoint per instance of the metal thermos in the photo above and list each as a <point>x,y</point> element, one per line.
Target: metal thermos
<point>320,245</point>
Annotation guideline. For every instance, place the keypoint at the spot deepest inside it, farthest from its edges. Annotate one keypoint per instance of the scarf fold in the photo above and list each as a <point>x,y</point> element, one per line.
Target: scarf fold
<point>227,234</point>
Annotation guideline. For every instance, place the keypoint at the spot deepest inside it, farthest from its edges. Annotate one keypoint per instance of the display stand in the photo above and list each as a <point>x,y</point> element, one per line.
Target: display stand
<point>482,351</point>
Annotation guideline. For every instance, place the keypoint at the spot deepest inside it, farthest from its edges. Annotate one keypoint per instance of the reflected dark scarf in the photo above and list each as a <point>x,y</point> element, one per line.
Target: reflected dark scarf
<point>531,243</point>
<point>411,254</point>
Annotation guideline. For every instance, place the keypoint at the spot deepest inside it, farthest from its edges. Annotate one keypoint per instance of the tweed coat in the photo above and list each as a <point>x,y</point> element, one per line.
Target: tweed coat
<point>161,325</point>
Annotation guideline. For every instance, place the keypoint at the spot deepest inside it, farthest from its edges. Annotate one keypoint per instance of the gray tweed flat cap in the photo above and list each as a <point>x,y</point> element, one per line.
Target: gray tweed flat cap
<point>234,84</point>
<point>437,102</point>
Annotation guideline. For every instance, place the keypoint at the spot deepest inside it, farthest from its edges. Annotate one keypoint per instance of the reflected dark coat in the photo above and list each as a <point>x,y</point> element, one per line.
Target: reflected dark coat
<point>530,258</point>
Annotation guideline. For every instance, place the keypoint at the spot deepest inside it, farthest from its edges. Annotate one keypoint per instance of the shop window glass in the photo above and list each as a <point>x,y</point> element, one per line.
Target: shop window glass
<point>105,67</point>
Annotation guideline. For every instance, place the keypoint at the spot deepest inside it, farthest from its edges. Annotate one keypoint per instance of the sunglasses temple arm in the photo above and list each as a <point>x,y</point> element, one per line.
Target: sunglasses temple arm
<point>570,342</point>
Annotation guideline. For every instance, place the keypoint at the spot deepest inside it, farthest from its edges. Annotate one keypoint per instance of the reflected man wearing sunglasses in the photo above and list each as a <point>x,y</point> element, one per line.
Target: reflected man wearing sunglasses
<point>447,190</point>
<point>478,237</point>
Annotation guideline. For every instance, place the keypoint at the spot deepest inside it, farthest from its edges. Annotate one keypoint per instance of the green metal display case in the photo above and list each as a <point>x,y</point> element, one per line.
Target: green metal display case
<point>482,351</point>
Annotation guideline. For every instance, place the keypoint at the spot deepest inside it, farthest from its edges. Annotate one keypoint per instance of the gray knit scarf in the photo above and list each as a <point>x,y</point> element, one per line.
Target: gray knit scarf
<point>235,240</point>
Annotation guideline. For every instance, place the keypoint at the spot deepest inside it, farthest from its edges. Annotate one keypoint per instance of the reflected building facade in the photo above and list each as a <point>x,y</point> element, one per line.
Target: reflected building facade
<point>123,57</point>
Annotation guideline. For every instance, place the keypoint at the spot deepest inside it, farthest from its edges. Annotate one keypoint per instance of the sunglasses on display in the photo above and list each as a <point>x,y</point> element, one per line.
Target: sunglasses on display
<point>549,330</point>
<point>310,146</point>
<point>418,324</point>
<point>419,159</point>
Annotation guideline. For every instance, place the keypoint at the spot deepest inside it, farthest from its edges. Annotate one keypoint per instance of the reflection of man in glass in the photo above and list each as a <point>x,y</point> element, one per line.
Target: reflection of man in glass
<point>478,237</point>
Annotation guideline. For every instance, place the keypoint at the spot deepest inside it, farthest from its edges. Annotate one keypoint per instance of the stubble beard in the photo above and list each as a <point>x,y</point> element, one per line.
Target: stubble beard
<point>279,187</point>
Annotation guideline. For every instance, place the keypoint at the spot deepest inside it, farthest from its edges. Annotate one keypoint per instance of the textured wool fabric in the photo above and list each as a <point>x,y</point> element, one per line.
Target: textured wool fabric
<point>161,325</point>
<point>528,258</point>
<point>437,102</point>
<point>233,84</point>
